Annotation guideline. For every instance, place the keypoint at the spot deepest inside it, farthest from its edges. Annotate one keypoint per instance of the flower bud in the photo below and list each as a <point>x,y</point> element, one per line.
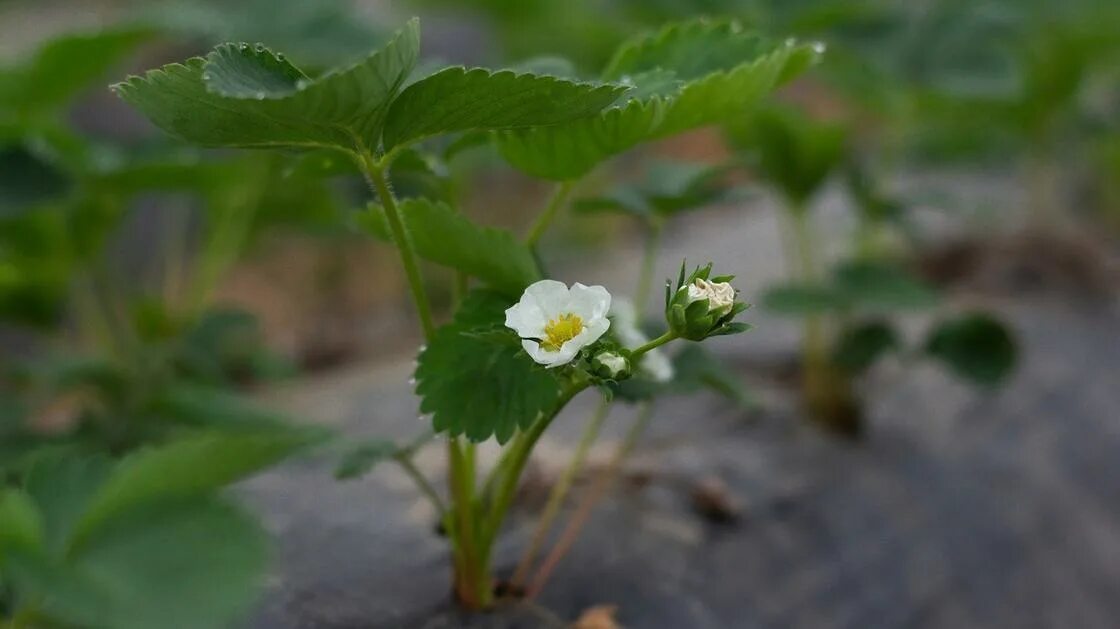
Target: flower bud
<point>611,365</point>
<point>720,295</point>
<point>703,306</point>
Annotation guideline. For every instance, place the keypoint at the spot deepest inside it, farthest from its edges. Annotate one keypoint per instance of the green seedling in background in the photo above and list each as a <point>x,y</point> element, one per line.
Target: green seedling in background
<point>847,310</point>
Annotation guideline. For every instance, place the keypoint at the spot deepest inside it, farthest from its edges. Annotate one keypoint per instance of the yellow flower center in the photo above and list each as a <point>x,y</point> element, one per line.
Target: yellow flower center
<point>561,330</point>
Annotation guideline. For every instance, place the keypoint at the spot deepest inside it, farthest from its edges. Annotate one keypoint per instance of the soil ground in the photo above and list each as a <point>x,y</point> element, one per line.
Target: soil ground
<point>960,508</point>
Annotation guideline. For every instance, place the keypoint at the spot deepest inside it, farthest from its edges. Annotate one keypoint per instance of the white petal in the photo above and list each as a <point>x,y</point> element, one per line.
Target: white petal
<point>525,318</point>
<point>550,359</point>
<point>593,331</point>
<point>589,302</point>
<point>549,295</point>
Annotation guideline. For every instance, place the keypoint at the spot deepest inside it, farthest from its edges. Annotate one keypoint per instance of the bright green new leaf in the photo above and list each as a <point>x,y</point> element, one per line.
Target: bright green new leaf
<point>446,237</point>
<point>726,73</point>
<point>246,96</point>
<point>458,99</point>
<point>185,468</point>
<point>976,347</point>
<point>479,386</point>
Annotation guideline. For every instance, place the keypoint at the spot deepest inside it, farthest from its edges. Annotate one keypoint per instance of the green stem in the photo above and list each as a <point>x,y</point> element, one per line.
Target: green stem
<point>555,204</point>
<point>474,565</point>
<point>518,456</point>
<point>636,355</point>
<point>426,488</point>
<point>471,584</point>
<point>594,495</point>
<point>375,177</point>
<point>560,491</point>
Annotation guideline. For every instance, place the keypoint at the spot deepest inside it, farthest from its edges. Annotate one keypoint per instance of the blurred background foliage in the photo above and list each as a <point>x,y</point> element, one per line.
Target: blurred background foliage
<point>135,309</point>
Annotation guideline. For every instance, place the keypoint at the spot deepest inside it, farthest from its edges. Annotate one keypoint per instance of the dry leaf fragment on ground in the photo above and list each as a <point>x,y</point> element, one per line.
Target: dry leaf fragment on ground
<point>598,617</point>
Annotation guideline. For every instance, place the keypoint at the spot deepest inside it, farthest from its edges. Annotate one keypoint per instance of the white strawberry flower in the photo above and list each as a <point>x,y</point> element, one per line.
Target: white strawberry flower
<point>555,322</point>
<point>653,363</point>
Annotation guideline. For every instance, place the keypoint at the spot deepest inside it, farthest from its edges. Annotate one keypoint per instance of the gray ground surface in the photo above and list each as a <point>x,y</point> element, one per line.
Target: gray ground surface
<point>960,509</point>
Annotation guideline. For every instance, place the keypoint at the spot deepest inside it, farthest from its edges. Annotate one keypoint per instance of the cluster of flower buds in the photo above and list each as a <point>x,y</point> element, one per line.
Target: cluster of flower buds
<point>701,306</point>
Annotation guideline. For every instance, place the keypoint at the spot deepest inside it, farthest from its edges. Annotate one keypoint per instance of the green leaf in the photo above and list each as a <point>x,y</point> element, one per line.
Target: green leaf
<point>253,98</point>
<point>245,71</point>
<point>476,386</point>
<point>446,237</point>
<point>802,299</point>
<point>569,151</point>
<point>63,68</point>
<point>976,347</point>
<point>457,99</point>
<point>186,468</point>
<point>859,346</point>
<point>360,459</point>
<point>698,368</point>
<point>215,407</point>
<point>61,483</point>
<point>690,49</point>
<point>21,524</point>
<point>712,89</point>
<point>792,151</point>
<point>187,565</point>
<point>26,179</point>
<point>881,286</point>
<point>670,187</point>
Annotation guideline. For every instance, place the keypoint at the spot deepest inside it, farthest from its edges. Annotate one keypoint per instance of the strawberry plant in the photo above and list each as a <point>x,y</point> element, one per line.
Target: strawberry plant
<point>519,345</point>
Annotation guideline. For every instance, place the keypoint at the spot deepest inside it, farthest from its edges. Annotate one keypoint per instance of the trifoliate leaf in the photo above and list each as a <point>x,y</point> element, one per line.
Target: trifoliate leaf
<point>343,109</point>
<point>446,237</point>
<point>976,347</point>
<point>710,89</point>
<point>458,99</point>
<point>859,346</point>
<point>477,387</point>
